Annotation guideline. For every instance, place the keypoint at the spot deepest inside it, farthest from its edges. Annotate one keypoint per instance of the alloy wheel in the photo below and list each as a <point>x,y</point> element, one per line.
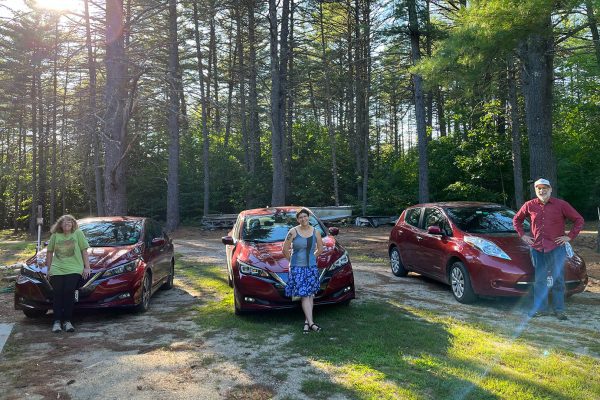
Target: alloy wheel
<point>458,282</point>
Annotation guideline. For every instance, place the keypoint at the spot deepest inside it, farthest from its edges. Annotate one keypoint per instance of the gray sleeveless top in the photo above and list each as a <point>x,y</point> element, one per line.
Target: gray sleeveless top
<point>303,254</point>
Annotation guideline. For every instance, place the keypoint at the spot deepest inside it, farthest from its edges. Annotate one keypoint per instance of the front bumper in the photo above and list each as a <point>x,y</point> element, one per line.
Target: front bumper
<point>259,293</point>
<point>35,292</point>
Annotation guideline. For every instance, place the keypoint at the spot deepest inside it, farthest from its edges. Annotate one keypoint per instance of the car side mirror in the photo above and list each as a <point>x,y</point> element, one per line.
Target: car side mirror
<point>334,231</point>
<point>434,230</point>
<point>156,242</point>
<point>227,240</point>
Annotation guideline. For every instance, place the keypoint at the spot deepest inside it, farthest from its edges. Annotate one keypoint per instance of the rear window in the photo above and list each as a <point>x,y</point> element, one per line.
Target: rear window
<point>484,219</point>
<point>273,227</point>
<point>109,233</point>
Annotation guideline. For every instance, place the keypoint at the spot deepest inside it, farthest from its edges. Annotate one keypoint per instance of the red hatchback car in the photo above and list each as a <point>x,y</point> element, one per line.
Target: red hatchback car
<point>471,246</point>
<point>258,272</point>
<point>130,258</point>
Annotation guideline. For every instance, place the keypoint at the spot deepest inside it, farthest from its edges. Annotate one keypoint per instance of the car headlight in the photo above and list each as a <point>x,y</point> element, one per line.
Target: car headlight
<point>121,269</point>
<point>340,262</point>
<point>487,247</point>
<point>247,269</point>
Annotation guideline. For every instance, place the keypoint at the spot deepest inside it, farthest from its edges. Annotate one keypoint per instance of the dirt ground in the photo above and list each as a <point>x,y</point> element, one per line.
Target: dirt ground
<point>165,353</point>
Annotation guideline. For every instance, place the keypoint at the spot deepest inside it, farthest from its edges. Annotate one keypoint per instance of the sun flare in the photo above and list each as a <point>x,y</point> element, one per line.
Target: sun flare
<point>59,5</point>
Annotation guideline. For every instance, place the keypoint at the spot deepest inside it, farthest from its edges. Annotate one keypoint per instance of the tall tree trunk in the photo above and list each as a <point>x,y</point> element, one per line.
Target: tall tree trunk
<point>593,23</point>
<point>115,183</point>
<point>328,121</point>
<point>538,58</point>
<point>212,65</point>
<point>34,147</point>
<point>515,126</point>
<point>365,96</point>
<point>413,26</point>
<point>92,123</point>
<point>204,107</point>
<point>253,125</point>
<point>173,122</point>
<point>278,186</point>
<point>52,217</point>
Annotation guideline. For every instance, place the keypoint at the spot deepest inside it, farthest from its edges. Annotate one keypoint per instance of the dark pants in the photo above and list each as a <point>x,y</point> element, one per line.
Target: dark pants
<point>64,295</point>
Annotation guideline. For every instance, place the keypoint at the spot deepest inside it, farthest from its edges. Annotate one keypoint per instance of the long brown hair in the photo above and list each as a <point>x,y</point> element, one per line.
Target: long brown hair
<point>57,227</point>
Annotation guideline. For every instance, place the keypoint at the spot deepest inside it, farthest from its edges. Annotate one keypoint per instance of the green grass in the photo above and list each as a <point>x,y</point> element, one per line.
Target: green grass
<point>385,350</point>
<point>14,251</point>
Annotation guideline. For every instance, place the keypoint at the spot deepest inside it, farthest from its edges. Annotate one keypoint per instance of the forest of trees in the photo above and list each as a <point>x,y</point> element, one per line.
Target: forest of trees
<point>175,109</point>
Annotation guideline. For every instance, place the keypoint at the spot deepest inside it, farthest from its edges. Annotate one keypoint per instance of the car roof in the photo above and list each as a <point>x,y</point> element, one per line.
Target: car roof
<point>270,210</point>
<point>111,219</point>
<point>458,204</point>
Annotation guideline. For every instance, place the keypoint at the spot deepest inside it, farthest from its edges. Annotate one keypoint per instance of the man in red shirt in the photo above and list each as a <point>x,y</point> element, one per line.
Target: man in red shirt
<point>547,242</point>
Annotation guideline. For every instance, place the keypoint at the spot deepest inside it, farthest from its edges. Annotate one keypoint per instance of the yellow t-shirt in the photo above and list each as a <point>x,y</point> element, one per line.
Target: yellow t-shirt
<point>67,258</point>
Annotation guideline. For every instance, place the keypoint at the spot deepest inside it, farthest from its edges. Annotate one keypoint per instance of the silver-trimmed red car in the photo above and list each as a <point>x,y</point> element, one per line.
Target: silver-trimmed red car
<point>130,258</point>
<point>258,272</point>
<point>471,246</point>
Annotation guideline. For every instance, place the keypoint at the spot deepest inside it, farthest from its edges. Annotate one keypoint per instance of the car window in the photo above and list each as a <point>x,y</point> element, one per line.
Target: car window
<point>111,233</point>
<point>493,219</point>
<point>273,227</point>
<point>412,216</point>
<point>435,217</point>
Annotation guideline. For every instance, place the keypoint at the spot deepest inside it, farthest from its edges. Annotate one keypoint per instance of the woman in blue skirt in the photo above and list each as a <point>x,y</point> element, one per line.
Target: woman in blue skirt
<point>302,246</point>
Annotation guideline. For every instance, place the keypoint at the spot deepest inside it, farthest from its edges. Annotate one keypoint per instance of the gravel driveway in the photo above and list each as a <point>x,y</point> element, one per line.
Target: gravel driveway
<point>164,353</point>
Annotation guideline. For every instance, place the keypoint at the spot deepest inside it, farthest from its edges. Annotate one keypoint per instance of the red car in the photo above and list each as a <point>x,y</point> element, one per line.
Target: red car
<point>471,246</point>
<point>258,272</point>
<point>130,258</point>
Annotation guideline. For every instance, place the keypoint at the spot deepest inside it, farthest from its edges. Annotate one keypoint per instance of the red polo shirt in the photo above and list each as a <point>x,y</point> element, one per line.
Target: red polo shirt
<point>547,222</point>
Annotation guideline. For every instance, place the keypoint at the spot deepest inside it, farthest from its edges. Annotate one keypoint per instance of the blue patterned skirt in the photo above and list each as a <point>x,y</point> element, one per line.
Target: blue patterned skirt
<point>302,281</point>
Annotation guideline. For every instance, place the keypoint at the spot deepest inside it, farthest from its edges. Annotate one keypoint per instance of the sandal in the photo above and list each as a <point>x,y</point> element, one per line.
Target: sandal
<point>315,328</point>
<point>306,328</point>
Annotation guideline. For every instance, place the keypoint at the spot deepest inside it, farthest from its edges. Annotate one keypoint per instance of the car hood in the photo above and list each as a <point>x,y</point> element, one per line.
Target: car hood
<point>270,255</point>
<point>519,252</point>
<point>104,257</point>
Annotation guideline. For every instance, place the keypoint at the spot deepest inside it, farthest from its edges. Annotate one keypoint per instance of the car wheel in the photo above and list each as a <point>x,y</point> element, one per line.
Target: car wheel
<point>396,263</point>
<point>146,293</point>
<point>29,313</point>
<point>229,280</point>
<point>461,283</point>
<point>169,283</point>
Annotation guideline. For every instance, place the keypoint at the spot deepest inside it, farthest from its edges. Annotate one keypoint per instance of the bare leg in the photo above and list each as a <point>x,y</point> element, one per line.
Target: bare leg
<point>307,307</point>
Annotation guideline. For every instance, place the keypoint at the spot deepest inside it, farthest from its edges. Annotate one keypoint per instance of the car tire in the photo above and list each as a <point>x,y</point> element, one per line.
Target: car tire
<point>236,306</point>
<point>460,282</point>
<point>29,313</point>
<point>146,293</point>
<point>169,283</point>
<point>396,263</point>
<point>229,280</point>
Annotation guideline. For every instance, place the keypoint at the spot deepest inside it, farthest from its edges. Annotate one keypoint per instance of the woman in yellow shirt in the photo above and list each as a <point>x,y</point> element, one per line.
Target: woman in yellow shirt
<point>67,261</point>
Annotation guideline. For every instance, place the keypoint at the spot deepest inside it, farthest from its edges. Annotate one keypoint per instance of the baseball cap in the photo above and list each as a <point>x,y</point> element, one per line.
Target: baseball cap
<point>542,181</point>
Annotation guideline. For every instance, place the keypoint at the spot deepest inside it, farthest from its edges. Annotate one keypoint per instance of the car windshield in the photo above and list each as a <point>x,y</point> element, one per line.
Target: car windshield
<point>274,227</point>
<point>484,219</point>
<point>111,233</point>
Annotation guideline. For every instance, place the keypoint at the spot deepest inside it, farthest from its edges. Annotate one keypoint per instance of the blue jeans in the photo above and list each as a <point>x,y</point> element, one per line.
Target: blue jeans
<point>544,263</point>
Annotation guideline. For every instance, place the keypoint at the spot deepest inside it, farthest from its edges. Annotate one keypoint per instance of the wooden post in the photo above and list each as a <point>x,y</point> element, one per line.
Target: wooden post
<point>40,222</point>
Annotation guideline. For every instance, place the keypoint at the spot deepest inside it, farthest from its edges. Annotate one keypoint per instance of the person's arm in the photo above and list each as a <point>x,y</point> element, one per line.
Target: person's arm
<point>86,264</point>
<point>287,244</point>
<point>572,215</point>
<point>518,220</point>
<point>50,253</point>
<point>319,248</point>
<point>84,245</point>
